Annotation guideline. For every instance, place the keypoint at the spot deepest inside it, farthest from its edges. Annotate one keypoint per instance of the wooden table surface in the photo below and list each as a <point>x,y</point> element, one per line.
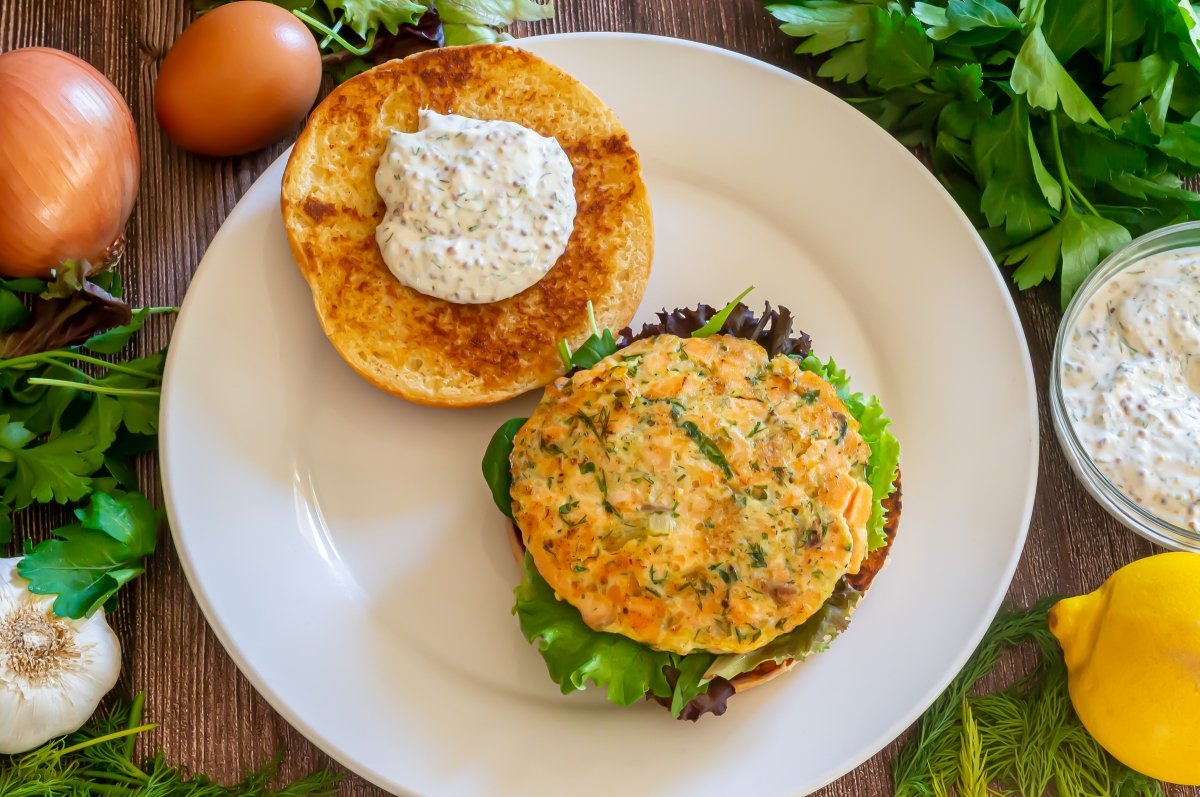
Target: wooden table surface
<point>211,718</point>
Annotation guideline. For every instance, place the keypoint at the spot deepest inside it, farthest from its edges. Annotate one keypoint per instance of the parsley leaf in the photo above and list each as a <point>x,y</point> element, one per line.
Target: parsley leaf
<point>113,340</point>
<point>90,560</point>
<point>1079,241</point>
<point>1011,194</point>
<point>1059,126</point>
<point>824,27</point>
<point>1152,79</point>
<point>126,517</point>
<point>972,14</point>
<point>1038,75</point>
<point>900,54</point>
<point>58,469</point>
<point>1182,141</point>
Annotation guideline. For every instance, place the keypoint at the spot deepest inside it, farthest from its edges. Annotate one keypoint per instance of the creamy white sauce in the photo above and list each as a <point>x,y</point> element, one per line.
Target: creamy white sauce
<point>477,211</point>
<point>1131,376</point>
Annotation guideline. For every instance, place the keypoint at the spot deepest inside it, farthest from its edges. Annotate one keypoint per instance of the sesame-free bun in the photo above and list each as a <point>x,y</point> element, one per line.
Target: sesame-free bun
<point>425,349</point>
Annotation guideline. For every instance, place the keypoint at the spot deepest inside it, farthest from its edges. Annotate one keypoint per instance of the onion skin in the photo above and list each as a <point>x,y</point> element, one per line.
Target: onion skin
<point>69,164</point>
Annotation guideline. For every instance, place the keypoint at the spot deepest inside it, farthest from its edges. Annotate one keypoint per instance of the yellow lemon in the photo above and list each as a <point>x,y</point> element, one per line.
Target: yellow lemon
<point>1132,650</point>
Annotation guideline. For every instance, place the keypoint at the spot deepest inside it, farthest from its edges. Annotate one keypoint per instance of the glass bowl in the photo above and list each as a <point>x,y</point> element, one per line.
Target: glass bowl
<point>1117,504</point>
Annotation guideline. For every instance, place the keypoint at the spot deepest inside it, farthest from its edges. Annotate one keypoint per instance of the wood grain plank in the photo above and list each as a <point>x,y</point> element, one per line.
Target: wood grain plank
<point>211,717</point>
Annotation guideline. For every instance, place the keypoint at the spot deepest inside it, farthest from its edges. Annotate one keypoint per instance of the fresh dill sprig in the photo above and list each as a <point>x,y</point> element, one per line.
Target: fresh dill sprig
<point>96,761</point>
<point>1024,740</point>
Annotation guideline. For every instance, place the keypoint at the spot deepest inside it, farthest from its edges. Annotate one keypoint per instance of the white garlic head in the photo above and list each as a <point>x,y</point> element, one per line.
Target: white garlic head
<point>53,670</point>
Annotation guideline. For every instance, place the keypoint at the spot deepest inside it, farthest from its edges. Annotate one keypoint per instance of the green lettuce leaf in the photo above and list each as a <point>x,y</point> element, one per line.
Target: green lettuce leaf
<point>811,636</point>
<point>576,654</point>
<point>496,13</point>
<point>486,21</point>
<point>464,35</point>
<point>366,16</point>
<point>497,471</point>
<point>884,463</point>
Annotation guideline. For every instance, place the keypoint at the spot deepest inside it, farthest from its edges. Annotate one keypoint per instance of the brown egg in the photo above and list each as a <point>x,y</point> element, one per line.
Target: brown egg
<point>240,77</point>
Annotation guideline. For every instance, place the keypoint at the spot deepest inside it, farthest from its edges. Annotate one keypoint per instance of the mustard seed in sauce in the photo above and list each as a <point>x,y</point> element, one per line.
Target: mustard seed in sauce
<point>477,211</point>
<point>1130,377</point>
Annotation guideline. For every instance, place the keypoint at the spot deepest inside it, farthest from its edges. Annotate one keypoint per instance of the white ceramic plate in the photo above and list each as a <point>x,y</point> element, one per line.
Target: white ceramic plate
<point>345,548</point>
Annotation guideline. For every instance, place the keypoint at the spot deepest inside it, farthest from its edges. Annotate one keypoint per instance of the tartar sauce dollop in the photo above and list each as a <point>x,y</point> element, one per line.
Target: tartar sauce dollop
<point>477,211</point>
<point>1130,379</point>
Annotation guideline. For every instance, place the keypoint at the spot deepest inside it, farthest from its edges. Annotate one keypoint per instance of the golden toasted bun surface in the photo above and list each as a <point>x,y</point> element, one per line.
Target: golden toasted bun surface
<point>425,349</point>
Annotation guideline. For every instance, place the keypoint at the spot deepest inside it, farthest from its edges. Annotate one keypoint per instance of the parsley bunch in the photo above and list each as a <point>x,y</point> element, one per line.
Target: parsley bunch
<point>1062,127</point>
<point>72,421</point>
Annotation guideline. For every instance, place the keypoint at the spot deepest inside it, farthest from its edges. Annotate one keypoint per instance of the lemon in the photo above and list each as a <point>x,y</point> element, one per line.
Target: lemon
<point>1132,650</point>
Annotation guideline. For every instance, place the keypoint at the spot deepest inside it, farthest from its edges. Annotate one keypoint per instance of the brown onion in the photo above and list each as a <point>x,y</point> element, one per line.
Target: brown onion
<point>69,163</point>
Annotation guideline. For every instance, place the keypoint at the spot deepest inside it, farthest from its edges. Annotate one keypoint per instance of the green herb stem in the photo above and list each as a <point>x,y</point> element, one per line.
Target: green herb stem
<point>79,372</point>
<point>591,317</point>
<point>1084,200</point>
<point>136,711</point>
<point>118,367</point>
<point>110,790</point>
<point>51,357</point>
<point>1108,36</point>
<point>93,388</point>
<point>108,737</point>
<point>1061,163</point>
<point>337,26</point>
<point>1068,186</point>
<point>330,33</point>
<point>119,777</point>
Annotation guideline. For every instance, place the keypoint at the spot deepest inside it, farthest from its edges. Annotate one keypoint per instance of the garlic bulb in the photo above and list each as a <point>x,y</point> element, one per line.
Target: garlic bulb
<point>53,670</point>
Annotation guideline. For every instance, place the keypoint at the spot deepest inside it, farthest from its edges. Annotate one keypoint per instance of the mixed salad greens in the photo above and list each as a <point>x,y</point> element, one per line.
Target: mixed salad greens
<point>355,35</point>
<point>71,425</point>
<point>73,419</point>
<point>1062,127</point>
<point>698,683</point>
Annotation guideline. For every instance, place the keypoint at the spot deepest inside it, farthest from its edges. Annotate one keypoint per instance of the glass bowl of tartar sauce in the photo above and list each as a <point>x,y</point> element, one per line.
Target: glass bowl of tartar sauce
<point>1125,385</point>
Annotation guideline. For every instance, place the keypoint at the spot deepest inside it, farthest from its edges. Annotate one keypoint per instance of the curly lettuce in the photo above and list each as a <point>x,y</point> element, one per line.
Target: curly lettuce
<point>576,654</point>
<point>884,463</point>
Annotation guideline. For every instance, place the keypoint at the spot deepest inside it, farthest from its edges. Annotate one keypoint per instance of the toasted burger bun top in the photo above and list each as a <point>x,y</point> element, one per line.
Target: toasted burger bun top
<point>425,349</point>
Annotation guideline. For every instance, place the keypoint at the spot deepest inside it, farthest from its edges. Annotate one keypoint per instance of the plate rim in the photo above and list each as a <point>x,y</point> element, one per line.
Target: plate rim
<point>869,749</point>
